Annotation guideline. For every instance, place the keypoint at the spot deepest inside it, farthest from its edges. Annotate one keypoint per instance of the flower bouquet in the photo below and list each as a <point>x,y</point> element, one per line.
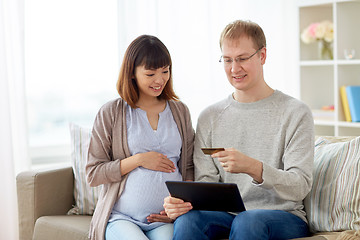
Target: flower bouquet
<point>323,32</point>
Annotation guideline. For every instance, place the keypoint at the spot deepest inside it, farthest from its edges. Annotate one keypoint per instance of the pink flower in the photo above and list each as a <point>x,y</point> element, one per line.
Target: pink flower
<point>312,29</point>
<point>318,31</point>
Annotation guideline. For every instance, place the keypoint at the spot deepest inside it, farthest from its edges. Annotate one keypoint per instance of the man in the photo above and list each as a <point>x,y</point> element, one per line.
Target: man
<point>268,139</point>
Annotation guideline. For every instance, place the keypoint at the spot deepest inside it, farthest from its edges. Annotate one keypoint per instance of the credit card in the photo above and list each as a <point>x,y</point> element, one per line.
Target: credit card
<point>209,151</point>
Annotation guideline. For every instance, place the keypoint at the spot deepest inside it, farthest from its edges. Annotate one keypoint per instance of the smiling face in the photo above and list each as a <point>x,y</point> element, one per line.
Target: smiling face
<point>151,82</point>
<point>246,76</point>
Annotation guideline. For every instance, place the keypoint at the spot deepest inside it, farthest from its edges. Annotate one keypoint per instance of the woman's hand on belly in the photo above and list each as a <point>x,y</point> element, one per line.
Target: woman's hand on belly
<point>150,160</point>
<point>162,217</point>
<point>156,161</point>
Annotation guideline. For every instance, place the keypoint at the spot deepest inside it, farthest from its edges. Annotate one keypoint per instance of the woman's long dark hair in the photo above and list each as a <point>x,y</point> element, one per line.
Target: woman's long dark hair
<point>150,52</point>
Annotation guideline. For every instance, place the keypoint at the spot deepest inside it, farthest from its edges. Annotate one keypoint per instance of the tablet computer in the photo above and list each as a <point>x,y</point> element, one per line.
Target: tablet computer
<point>208,196</point>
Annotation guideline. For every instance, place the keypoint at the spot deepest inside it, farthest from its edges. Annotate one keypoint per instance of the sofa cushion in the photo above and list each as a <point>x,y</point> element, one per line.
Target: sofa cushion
<point>333,203</point>
<point>62,227</point>
<point>85,196</point>
<point>321,236</point>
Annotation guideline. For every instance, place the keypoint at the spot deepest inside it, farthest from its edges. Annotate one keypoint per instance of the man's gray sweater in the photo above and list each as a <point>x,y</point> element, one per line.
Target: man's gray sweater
<point>278,131</point>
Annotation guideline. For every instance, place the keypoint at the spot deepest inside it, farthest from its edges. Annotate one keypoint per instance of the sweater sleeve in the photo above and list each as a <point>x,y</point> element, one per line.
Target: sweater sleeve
<point>101,168</point>
<point>294,181</point>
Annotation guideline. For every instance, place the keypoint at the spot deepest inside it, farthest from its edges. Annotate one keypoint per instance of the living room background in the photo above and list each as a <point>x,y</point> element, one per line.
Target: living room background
<point>59,62</point>
<point>73,51</point>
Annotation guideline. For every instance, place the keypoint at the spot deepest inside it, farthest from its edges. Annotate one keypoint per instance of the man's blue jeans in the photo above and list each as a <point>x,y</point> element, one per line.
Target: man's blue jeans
<point>247,225</point>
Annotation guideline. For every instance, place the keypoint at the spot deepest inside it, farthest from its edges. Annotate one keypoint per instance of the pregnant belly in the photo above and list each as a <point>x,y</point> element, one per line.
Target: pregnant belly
<point>144,193</point>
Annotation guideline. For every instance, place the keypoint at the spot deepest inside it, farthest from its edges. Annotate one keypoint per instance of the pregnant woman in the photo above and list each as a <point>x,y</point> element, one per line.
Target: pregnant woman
<point>139,141</point>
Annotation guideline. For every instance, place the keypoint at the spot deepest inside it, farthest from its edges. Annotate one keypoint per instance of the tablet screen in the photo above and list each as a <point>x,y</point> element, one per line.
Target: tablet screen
<point>208,195</point>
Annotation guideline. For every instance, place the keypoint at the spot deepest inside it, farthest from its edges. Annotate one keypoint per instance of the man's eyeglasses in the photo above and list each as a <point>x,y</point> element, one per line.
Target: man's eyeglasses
<point>228,61</point>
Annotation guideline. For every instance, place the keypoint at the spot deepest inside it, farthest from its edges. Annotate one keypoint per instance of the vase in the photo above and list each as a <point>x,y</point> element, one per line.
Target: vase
<point>325,50</point>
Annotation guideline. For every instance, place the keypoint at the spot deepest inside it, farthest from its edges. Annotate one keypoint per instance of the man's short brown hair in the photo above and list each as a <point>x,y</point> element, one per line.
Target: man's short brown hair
<point>240,28</point>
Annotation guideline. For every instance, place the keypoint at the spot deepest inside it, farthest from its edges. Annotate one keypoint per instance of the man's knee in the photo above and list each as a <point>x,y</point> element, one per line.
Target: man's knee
<point>248,219</point>
<point>187,220</point>
<point>186,227</point>
<point>249,225</point>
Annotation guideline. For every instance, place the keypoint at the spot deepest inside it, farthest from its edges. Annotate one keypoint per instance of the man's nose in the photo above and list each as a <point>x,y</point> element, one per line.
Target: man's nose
<point>235,66</point>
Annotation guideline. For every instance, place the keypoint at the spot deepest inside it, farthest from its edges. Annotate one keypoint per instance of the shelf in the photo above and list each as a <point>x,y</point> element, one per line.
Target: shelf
<point>309,3</point>
<point>349,124</point>
<point>320,80</point>
<point>324,123</point>
<point>317,63</point>
<point>338,123</point>
<point>330,62</point>
<point>349,62</point>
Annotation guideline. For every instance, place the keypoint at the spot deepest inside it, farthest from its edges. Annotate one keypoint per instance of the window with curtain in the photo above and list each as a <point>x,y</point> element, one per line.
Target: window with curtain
<point>71,68</point>
<point>74,48</point>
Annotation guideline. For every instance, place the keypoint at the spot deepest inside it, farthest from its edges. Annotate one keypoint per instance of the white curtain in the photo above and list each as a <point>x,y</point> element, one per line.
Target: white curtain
<point>13,137</point>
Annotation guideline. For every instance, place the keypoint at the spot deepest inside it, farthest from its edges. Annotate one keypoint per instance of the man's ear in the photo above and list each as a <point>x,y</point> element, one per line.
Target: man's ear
<point>263,55</point>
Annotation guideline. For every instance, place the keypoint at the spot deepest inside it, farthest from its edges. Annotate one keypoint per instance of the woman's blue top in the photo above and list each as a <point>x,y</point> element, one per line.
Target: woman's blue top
<point>145,189</point>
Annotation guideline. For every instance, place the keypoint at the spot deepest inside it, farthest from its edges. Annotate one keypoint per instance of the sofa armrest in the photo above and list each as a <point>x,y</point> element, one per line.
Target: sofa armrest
<point>43,193</point>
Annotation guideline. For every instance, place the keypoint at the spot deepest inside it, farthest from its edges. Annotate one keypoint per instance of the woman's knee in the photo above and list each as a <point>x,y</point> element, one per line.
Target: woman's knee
<point>125,229</point>
<point>163,232</point>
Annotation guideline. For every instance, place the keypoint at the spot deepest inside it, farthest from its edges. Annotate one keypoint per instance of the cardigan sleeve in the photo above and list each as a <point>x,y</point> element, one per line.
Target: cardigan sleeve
<point>101,167</point>
<point>182,118</point>
<point>190,136</point>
